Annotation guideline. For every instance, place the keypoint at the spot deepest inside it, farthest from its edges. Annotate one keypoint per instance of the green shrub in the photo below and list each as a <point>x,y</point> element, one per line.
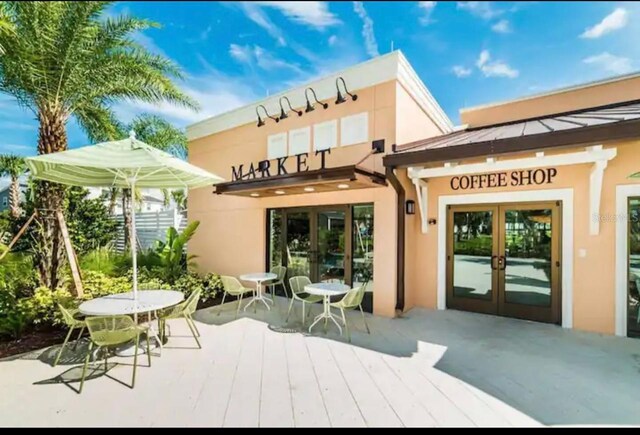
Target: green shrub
<point>42,307</point>
<point>97,284</point>
<point>14,318</point>
<point>209,285</point>
<point>18,275</point>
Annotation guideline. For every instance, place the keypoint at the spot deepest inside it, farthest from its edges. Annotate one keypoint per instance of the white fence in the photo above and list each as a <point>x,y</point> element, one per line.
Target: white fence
<point>152,226</point>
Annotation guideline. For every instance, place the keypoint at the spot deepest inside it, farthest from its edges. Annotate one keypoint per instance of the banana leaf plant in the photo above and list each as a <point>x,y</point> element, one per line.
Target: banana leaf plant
<point>174,261</point>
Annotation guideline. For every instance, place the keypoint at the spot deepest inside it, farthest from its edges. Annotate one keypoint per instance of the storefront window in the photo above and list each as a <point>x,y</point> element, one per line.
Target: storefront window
<point>633,300</point>
<point>363,245</point>
<point>275,238</point>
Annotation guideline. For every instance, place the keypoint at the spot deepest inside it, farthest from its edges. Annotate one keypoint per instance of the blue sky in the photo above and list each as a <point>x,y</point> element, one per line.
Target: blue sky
<point>467,53</point>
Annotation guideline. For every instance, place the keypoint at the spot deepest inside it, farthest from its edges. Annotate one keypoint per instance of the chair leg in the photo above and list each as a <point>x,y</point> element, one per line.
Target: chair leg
<point>346,325</point>
<point>195,326</point>
<point>284,288</point>
<point>224,295</point>
<point>84,368</point>
<point>193,332</point>
<point>304,317</point>
<point>364,320</point>
<point>135,361</point>
<point>148,349</point>
<point>289,311</point>
<point>62,348</point>
<point>238,309</point>
<point>75,346</point>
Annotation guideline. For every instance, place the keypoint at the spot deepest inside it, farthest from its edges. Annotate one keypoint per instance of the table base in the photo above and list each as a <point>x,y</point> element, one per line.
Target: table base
<point>260,298</point>
<point>326,314</point>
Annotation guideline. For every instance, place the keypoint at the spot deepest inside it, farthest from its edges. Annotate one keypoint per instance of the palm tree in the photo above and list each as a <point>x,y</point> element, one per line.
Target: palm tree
<point>69,59</point>
<point>13,166</point>
<point>180,198</point>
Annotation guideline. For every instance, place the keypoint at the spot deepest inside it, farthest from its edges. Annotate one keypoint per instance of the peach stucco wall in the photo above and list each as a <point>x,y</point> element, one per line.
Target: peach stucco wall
<point>581,98</point>
<point>231,238</point>
<point>594,275</point>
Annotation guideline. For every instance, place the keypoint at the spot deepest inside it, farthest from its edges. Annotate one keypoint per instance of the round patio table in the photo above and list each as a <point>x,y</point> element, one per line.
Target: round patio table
<point>326,290</point>
<point>258,278</point>
<point>124,304</point>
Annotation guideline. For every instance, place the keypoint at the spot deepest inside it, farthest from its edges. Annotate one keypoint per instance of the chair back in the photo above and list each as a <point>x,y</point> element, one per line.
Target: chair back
<point>231,284</point>
<point>67,316</point>
<point>111,330</point>
<point>354,297</point>
<point>297,283</point>
<point>281,271</point>
<point>191,303</point>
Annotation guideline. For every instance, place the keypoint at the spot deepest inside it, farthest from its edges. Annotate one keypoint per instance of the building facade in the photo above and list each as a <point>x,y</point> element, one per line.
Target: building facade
<point>526,211</point>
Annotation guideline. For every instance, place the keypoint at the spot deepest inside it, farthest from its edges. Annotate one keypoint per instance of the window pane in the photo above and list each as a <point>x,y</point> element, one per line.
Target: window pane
<point>275,237</point>
<point>633,301</point>
<point>363,245</point>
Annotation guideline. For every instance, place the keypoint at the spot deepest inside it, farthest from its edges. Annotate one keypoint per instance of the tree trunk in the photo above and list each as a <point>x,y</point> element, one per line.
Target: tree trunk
<point>126,215</point>
<point>14,197</point>
<point>49,197</point>
<point>113,197</point>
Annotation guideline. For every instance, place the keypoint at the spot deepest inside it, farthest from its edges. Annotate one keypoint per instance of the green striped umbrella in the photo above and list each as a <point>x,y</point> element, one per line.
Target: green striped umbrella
<point>119,164</point>
<point>126,163</point>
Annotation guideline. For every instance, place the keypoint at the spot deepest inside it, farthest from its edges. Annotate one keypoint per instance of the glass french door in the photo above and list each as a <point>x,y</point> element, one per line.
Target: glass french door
<point>633,294</point>
<point>504,260</point>
<point>318,243</point>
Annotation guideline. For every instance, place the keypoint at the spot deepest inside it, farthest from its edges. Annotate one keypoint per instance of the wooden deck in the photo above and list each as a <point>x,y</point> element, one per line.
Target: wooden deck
<point>257,371</point>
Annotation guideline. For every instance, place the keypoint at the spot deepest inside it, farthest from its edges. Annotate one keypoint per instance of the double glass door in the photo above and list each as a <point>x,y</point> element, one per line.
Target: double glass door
<point>318,243</point>
<point>504,260</point>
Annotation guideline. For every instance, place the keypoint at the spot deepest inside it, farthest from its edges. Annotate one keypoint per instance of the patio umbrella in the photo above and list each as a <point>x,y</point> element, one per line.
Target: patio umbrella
<point>127,163</point>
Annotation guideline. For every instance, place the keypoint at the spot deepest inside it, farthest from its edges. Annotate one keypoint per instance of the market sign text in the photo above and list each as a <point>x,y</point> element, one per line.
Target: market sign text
<point>270,168</point>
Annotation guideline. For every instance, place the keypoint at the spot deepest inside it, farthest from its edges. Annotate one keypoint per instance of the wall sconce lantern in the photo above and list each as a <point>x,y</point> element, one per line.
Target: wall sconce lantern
<point>310,107</point>
<point>283,114</point>
<point>341,99</point>
<point>260,121</point>
<point>410,207</point>
<point>432,221</point>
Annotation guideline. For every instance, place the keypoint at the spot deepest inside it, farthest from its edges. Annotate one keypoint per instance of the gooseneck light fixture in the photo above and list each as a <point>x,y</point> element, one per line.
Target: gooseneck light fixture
<point>283,114</point>
<point>310,107</point>
<point>341,99</point>
<point>260,120</point>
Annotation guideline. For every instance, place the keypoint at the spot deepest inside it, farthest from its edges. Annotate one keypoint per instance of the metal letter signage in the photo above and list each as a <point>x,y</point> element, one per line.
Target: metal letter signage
<point>526,177</point>
<point>267,168</point>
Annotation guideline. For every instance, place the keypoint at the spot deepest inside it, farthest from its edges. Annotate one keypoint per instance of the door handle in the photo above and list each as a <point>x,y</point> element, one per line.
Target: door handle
<point>502,261</point>
<point>493,264</point>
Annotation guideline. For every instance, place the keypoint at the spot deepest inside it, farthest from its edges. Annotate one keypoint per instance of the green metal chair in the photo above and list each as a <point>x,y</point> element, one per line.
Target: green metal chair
<point>183,310</point>
<point>69,318</point>
<point>109,331</point>
<point>281,271</point>
<point>297,284</point>
<point>233,287</point>
<point>351,300</point>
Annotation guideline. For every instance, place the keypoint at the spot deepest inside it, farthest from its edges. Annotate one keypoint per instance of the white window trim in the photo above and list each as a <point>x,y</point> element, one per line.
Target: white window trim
<point>623,193</point>
<point>564,195</point>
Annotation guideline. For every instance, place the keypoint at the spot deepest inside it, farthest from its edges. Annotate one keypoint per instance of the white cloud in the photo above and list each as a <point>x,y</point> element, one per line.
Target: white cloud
<point>427,8</point>
<point>367,30</point>
<point>333,39</point>
<point>484,10</point>
<point>460,71</point>
<point>255,13</point>
<point>614,21</point>
<point>496,68</point>
<point>260,57</point>
<point>610,63</point>
<point>502,26</point>
<point>313,13</point>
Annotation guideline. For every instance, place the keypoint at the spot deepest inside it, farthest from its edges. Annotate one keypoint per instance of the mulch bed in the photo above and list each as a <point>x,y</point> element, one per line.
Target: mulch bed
<point>38,339</point>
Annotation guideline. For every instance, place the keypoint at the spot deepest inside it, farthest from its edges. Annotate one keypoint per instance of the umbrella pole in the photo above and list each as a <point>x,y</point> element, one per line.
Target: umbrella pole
<point>133,245</point>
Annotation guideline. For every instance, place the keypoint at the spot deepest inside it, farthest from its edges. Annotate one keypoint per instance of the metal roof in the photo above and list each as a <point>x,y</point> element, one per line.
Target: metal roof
<point>592,126</point>
<point>538,126</point>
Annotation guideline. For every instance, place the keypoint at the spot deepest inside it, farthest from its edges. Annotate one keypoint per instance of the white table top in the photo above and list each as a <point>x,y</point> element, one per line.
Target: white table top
<point>123,303</point>
<point>326,288</point>
<point>258,277</point>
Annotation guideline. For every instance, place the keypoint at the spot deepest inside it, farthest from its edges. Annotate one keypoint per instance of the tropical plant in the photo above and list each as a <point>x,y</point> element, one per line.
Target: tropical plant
<point>13,166</point>
<point>88,220</point>
<point>180,198</point>
<point>5,25</point>
<point>174,261</point>
<point>70,59</point>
